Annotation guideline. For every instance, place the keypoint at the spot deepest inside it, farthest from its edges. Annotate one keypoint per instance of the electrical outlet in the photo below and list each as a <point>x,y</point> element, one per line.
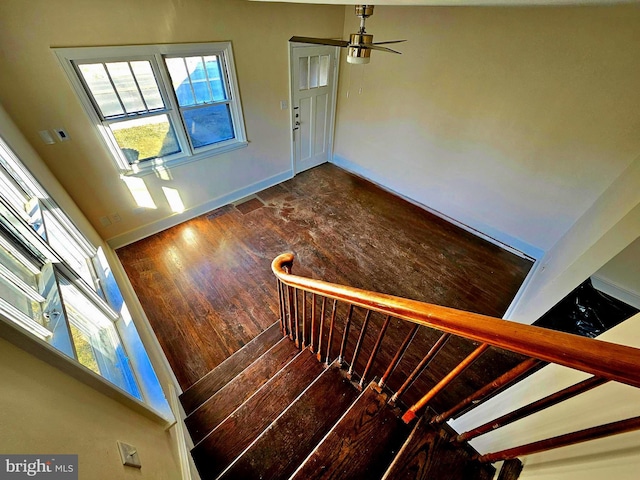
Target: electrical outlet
<point>115,217</point>
<point>283,105</point>
<point>129,455</point>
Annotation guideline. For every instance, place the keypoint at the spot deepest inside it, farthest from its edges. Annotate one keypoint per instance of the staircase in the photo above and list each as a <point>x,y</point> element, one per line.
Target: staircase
<point>300,401</point>
<point>272,411</point>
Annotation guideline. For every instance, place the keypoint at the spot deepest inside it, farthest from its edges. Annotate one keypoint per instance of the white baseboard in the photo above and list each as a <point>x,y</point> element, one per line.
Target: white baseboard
<point>182,438</point>
<point>616,291</point>
<point>173,220</point>
<point>501,239</point>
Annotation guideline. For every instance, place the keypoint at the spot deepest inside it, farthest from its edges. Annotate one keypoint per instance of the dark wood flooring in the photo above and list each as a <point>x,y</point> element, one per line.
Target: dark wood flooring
<point>207,287</point>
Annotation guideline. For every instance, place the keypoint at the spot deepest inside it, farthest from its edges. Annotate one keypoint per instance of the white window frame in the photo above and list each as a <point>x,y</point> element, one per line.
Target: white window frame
<point>155,54</point>
<point>21,189</point>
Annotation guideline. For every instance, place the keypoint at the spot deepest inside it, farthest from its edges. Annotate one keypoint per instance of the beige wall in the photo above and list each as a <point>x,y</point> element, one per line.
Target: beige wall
<point>607,228</point>
<point>511,120</point>
<point>43,411</point>
<point>37,95</point>
<point>621,275</point>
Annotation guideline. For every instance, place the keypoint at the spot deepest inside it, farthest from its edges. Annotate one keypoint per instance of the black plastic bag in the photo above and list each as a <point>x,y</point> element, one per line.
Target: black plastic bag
<point>587,312</point>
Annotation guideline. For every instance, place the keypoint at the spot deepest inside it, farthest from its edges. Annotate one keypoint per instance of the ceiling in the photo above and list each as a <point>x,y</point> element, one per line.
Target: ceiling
<point>458,2</point>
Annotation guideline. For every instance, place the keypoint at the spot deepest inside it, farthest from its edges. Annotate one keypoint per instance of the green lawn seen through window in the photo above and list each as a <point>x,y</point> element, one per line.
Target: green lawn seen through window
<point>146,138</point>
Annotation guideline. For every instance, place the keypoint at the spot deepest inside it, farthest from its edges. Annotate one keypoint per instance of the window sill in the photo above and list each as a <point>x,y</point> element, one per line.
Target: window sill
<point>45,352</point>
<point>152,166</point>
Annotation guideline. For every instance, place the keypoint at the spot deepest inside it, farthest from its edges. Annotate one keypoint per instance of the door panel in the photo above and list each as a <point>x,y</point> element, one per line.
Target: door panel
<point>304,133</point>
<point>313,100</point>
<point>320,124</point>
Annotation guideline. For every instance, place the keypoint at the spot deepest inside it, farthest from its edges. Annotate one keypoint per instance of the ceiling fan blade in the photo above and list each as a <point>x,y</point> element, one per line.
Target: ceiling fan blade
<point>391,41</point>
<point>320,41</point>
<point>382,49</point>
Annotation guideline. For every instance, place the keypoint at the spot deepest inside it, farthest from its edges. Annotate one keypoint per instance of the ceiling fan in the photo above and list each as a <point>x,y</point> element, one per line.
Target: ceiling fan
<point>359,44</point>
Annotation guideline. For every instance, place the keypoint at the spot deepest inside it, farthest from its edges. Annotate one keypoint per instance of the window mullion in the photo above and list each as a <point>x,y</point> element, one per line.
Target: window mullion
<point>135,80</point>
<point>115,90</point>
<point>193,90</point>
<point>206,75</point>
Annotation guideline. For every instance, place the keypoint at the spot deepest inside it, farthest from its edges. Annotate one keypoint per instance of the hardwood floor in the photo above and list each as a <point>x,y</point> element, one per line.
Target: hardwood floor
<point>207,287</point>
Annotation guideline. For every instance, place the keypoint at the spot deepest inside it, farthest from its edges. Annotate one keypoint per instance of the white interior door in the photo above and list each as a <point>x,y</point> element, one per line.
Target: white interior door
<point>313,77</point>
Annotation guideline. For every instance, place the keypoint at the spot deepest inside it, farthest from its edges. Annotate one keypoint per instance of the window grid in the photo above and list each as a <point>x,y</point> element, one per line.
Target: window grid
<point>217,130</point>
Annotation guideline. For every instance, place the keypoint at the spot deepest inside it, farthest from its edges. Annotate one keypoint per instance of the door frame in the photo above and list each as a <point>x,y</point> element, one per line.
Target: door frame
<point>334,103</point>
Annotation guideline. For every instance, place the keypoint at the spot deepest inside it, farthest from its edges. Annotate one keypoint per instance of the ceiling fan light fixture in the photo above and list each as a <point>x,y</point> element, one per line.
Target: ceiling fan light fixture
<point>358,55</point>
<point>359,45</point>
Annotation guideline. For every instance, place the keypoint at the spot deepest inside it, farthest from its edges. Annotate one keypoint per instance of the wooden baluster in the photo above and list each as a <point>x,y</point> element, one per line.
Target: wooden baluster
<point>398,356</point>
<point>296,317</point>
<point>356,352</point>
<point>304,319</point>
<point>593,433</point>
<point>534,407</point>
<point>374,352</point>
<point>433,351</point>
<point>347,325</point>
<point>324,304</point>
<point>313,322</point>
<point>411,413</point>
<point>281,307</point>
<point>489,388</point>
<point>290,311</point>
<point>331,328</point>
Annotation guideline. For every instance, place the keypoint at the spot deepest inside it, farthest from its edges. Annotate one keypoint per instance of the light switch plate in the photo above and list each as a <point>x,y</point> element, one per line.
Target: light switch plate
<point>46,137</point>
<point>129,455</point>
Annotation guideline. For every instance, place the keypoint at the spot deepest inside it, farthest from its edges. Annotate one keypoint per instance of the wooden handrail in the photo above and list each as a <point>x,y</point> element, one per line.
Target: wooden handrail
<point>604,359</point>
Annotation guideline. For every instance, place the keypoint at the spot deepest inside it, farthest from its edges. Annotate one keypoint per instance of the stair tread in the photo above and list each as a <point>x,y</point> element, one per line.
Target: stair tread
<point>361,444</point>
<point>217,378</point>
<point>288,441</point>
<point>428,454</point>
<point>219,406</point>
<point>511,469</point>
<point>229,439</point>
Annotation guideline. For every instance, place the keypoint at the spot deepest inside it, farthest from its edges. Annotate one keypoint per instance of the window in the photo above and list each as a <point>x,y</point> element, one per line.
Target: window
<point>51,279</point>
<point>159,104</point>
